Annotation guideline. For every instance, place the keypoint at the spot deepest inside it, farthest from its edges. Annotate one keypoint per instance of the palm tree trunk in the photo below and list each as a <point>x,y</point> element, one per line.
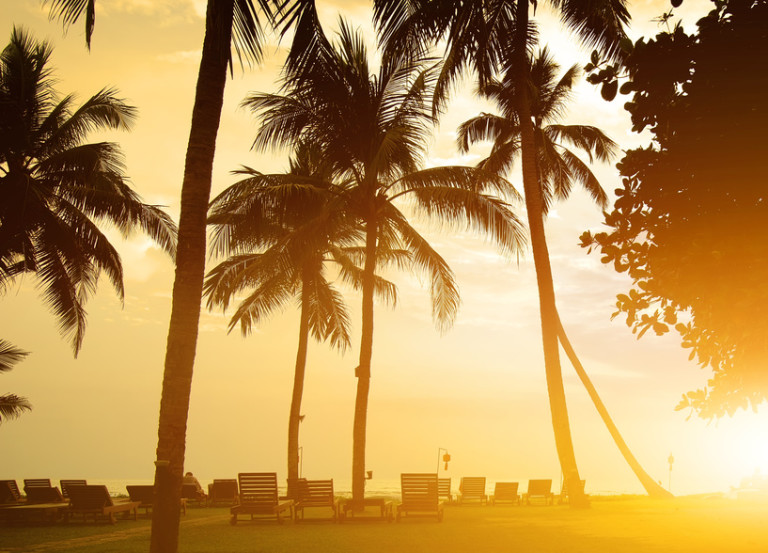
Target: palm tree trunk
<point>294,419</point>
<point>188,283</point>
<point>651,486</point>
<point>547,307</point>
<point>363,371</point>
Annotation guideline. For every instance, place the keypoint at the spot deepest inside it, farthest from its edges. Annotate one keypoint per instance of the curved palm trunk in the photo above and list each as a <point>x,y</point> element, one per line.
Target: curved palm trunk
<point>547,307</point>
<point>188,283</point>
<point>650,485</point>
<point>294,419</point>
<point>363,371</point>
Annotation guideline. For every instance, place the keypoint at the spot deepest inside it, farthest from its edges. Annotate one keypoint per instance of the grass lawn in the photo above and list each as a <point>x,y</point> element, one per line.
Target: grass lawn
<point>624,525</point>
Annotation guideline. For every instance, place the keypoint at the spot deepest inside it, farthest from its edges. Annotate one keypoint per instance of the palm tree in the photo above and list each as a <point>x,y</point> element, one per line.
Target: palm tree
<point>296,223</point>
<point>486,35</point>
<point>372,130</point>
<point>558,168</point>
<point>11,405</point>
<point>227,22</point>
<point>55,188</point>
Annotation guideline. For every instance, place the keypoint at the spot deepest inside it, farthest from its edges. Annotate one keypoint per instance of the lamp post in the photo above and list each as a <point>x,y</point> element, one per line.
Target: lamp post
<point>445,458</point>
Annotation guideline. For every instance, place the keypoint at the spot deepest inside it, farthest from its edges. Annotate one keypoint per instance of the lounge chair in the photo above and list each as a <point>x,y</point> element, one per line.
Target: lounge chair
<point>444,489</point>
<point>420,496</point>
<point>258,497</point>
<point>192,494</point>
<point>564,496</point>
<point>505,492</point>
<point>472,488</point>
<point>144,494</point>
<point>36,483</point>
<point>9,492</point>
<point>313,494</point>
<point>42,494</point>
<point>95,501</point>
<point>222,491</point>
<point>539,489</point>
<point>65,484</point>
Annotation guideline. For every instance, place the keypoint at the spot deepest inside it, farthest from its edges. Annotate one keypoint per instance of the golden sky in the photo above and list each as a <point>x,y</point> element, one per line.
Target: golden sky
<point>478,391</point>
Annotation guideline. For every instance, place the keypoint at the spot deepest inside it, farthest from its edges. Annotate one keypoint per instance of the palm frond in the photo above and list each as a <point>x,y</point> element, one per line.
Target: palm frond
<point>10,355</point>
<point>11,406</point>
<point>328,315</point>
<point>598,23</point>
<point>444,291</point>
<point>482,128</point>
<point>69,11</point>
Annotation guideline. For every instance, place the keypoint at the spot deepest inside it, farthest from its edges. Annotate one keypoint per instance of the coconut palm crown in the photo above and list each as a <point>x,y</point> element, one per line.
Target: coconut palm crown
<point>56,188</point>
<point>558,166</point>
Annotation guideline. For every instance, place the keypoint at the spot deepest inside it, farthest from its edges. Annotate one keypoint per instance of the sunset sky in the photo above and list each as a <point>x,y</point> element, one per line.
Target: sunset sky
<point>478,391</point>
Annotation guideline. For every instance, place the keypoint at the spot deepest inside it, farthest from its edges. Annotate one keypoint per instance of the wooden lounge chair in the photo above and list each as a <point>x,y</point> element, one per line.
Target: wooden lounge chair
<point>192,494</point>
<point>472,488</point>
<point>9,492</point>
<point>36,483</point>
<point>65,484</point>
<point>420,496</point>
<point>222,491</point>
<point>95,501</point>
<point>44,495</point>
<point>564,497</point>
<point>444,489</point>
<point>313,494</point>
<point>540,489</point>
<point>144,494</point>
<point>258,497</point>
<point>505,492</point>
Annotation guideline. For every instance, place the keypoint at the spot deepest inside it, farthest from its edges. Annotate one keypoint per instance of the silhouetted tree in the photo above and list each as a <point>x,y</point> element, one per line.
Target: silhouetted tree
<point>56,188</point>
<point>373,130</point>
<point>690,224</point>
<point>486,36</point>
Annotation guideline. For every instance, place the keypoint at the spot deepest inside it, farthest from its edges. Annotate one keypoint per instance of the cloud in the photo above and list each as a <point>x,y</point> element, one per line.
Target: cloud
<point>185,57</point>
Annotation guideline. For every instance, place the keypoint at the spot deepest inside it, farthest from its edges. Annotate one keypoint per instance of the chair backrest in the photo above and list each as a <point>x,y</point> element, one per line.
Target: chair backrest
<point>505,490</point>
<point>292,490</point>
<point>223,489</point>
<point>564,488</point>
<point>145,493</point>
<point>444,488</point>
<point>472,486</point>
<point>44,495</point>
<point>539,487</point>
<point>65,484</point>
<point>258,488</point>
<point>315,492</point>
<point>89,497</point>
<point>9,491</point>
<point>36,483</point>
<point>420,489</point>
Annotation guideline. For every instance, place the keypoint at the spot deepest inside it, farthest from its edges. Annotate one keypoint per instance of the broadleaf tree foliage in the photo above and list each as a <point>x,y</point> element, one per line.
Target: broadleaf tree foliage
<point>690,222</point>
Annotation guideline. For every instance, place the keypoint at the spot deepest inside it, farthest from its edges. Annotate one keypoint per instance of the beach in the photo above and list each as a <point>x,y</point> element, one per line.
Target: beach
<point>710,523</point>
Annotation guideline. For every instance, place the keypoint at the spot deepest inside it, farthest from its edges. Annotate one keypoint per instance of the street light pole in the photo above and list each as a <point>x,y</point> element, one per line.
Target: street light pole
<point>445,458</point>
